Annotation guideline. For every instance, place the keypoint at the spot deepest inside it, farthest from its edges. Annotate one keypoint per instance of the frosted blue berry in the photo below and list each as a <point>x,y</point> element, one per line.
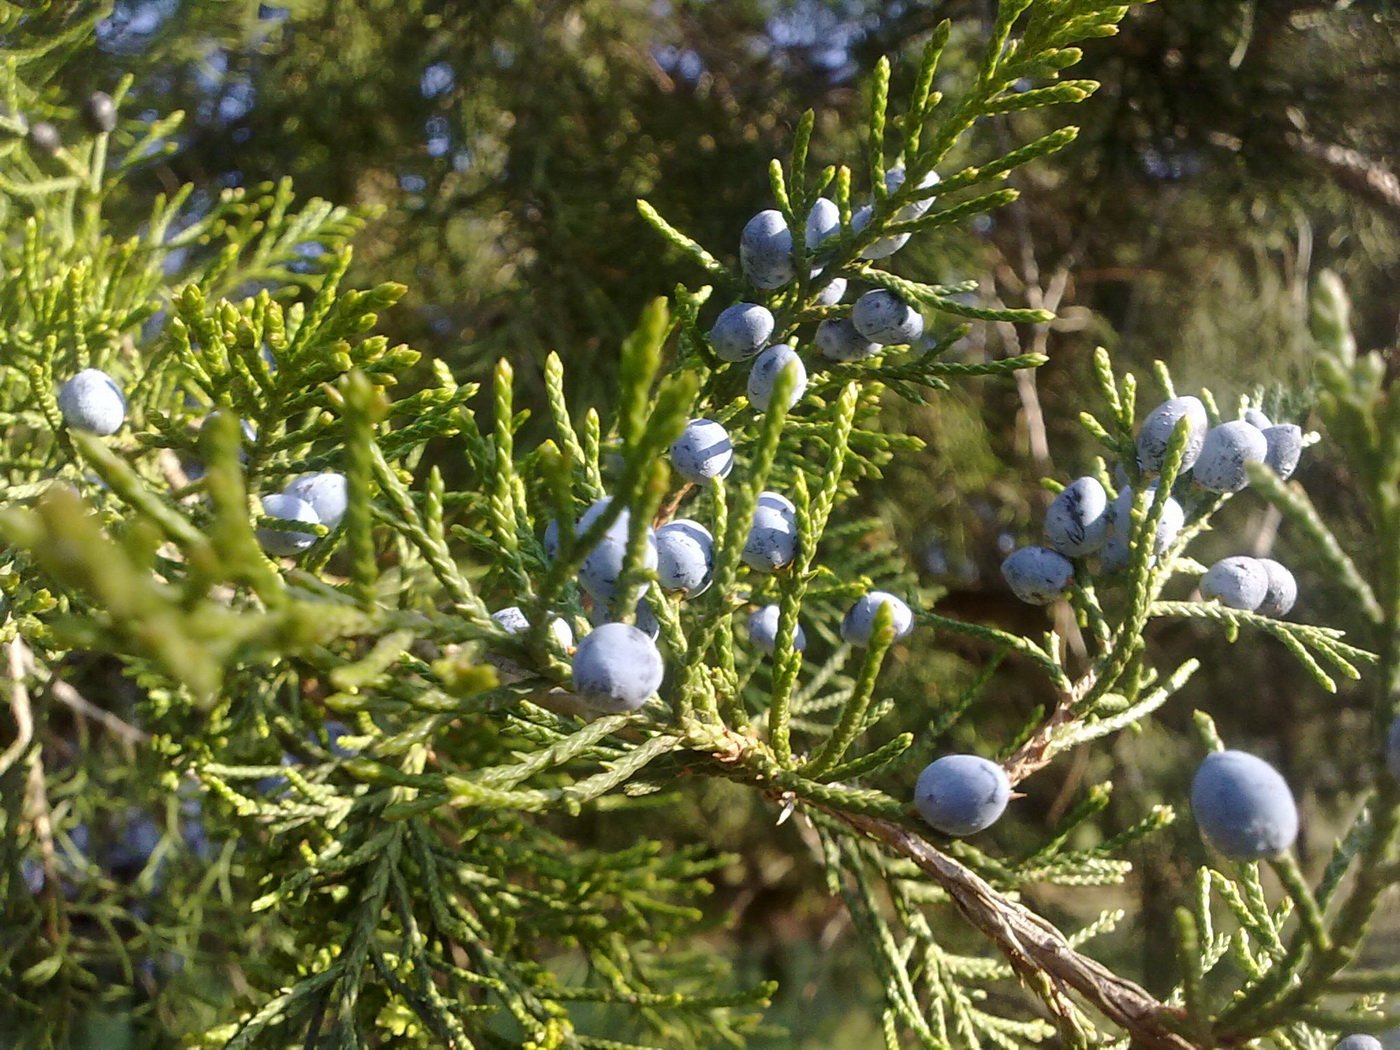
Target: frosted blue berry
<point>823,223</point>
<point>685,556</point>
<point>599,572</point>
<point>1173,517</point>
<point>1282,592</point>
<point>616,668</point>
<point>1239,583</point>
<point>512,618</point>
<point>775,502</point>
<point>962,794</point>
<point>772,540</point>
<point>1077,522</point>
<point>1359,1042</point>
<point>887,246</point>
<point>93,402</point>
<point>895,178</point>
<point>1243,806</point>
<point>288,508</point>
<point>765,250</point>
<point>327,494</point>
<point>703,451</point>
<point>1255,418</point>
<point>1157,428</point>
<point>642,617</point>
<point>1284,447</point>
<point>767,366</point>
<point>763,631</point>
<point>838,340</point>
<point>883,247</point>
<point>859,622</point>
<point>832,292</point>
<point>1115,553</point>
<point>1038,575</point>
<point>740,331</point>
<point>885,318</point>
<point>1227,448</point>
<point>100,113</point>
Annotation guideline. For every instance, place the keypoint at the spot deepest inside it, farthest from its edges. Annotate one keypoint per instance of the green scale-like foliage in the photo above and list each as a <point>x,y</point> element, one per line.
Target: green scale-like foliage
<point>364,793</point>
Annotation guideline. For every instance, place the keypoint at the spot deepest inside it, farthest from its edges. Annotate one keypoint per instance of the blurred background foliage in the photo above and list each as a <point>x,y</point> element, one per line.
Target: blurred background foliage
<point>1235,150</point>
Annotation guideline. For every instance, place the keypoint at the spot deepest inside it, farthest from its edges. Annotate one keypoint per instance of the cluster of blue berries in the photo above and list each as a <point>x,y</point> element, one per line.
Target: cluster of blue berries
<point>1083,522</point>
<point>878,319</point>
<point>99,113</point>
<point>317,499</point>
<point>618,667</point>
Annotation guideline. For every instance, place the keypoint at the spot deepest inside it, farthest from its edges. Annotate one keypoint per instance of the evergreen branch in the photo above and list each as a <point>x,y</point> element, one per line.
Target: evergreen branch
<point>1325,640</point>
<point>1297,509</point>
<point>683,243</point>
<point>1036,950</point>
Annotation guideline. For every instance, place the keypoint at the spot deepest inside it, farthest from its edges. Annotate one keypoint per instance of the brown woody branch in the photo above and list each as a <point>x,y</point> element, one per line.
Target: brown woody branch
<point>1036,950</point>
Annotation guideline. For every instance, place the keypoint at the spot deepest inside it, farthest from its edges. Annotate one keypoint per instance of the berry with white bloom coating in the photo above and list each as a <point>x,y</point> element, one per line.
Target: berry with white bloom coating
<point>1283,589</point>
<point>1243,806</point>
<point>962,794</point>
<point>703,451</point>
<point>770,502</point>
<point>1157,428</point>
<point>823,223</point>
<point>765,250</point>
<point>832,293</point>
<point>602,566</point>
<point>100,113</point>
<point>288,508</point>
<point>1077,522</point>
<point>887,246</point>
<point>1173,517</point>
<point>859,622</point>
<point>1239,583</point>
<point>1038,575</point>
<point>838,340</point>
<point>1285,448</point>
<point>885,318</point>
<point>685,556</point>
<point>616,668</point>
<point>642,618</point>
<point>1255,418</point>
<point>326,492</point>
<point>44,137</point>
<point>914,209</point>
<point>93,402</point>
<point>1115,554</point>
<point>772,540</point>
<point>882,248</point>
<point>763,631</point>
<point>514,621</point>
<point>763,377</point>
<point>1359,1042</point>
<point>1227,448</point>
<point>740,331</point>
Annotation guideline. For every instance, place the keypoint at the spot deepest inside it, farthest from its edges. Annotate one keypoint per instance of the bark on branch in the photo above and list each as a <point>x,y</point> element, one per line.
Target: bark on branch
<point>1032,945</point>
